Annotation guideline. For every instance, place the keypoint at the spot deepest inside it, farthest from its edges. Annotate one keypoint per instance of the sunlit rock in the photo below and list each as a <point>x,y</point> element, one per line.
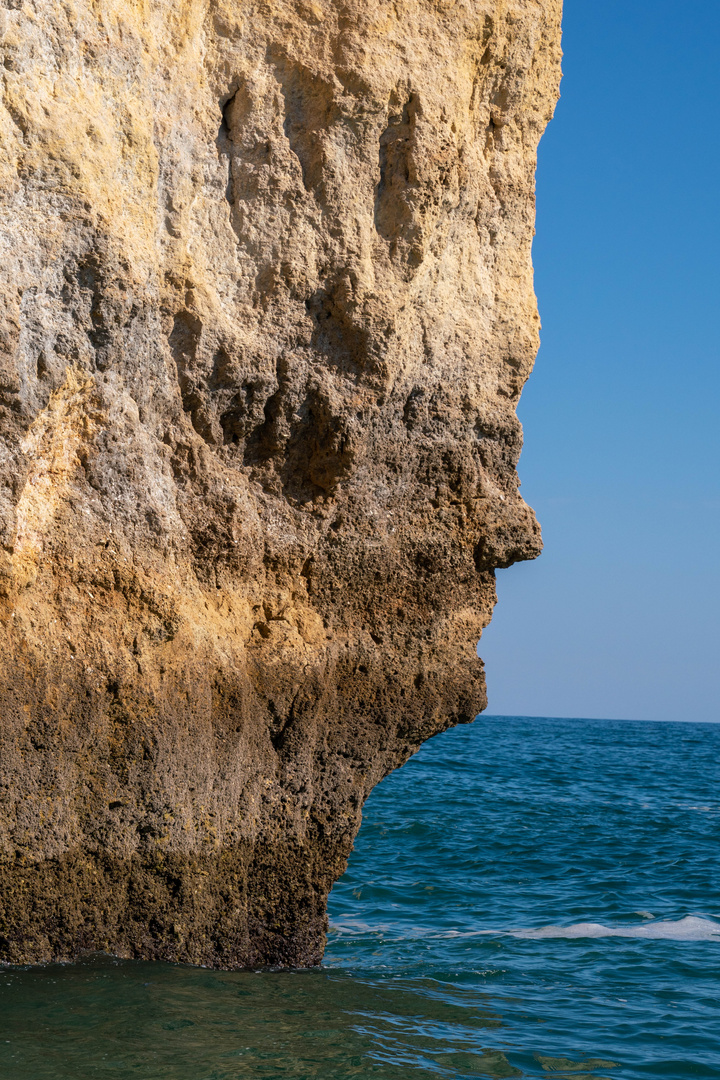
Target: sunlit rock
<point>268,310</point>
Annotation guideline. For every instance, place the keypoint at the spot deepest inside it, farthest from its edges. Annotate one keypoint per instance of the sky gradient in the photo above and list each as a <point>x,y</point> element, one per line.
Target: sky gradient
<point>620,616</point>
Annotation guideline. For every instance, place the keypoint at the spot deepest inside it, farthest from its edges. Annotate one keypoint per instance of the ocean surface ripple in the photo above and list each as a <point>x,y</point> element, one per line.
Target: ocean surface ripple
<point>527,897</point>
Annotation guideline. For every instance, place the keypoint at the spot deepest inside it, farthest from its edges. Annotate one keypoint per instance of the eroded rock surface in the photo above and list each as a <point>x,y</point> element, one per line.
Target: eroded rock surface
<point>267,312</point>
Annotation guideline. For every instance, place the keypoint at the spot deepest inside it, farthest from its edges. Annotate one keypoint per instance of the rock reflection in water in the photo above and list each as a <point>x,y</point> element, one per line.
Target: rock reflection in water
<point>116,1019</point>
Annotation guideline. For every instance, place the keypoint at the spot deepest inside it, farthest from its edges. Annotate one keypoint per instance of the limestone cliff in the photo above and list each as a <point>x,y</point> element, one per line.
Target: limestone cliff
<point>267,312</point>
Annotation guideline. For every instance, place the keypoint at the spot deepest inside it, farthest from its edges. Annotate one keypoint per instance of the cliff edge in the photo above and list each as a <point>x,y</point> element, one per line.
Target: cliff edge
<point>267,313</point>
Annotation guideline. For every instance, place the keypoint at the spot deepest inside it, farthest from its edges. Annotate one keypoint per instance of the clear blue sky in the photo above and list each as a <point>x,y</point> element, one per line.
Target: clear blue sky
<point>620,617</point>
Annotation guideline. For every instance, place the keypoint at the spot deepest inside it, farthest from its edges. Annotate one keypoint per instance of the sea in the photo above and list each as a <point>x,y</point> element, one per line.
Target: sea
<point>527,898</point>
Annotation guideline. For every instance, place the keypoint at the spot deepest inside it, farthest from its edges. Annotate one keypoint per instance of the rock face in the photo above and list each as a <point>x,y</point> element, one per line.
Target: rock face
<point>267,312</point>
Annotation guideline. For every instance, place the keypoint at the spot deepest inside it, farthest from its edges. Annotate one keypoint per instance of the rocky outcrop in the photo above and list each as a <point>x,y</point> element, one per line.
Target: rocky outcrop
<point>267,312</point>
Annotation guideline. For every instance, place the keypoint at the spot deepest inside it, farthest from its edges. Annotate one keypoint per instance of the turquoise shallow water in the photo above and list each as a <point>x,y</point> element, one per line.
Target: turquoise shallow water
<point>526,898</point>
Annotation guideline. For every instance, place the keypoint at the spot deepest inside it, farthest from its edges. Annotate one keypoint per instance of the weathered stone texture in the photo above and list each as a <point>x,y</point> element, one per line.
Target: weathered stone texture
<point>267,312</point>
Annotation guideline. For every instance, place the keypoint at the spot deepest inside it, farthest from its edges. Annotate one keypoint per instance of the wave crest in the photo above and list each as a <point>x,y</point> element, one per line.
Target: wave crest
<point>691,928</point>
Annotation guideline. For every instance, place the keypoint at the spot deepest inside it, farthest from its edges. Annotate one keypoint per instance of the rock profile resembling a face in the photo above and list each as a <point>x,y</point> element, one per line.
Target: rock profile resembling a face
<point>267,313</point>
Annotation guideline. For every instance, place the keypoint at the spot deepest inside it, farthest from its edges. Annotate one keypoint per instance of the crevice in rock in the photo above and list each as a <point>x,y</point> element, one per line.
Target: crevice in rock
<point>309,113</point>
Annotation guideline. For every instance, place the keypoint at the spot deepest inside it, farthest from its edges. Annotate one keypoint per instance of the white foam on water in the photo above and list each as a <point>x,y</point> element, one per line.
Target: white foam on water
<point>691,928</point>
<point>350,925</point>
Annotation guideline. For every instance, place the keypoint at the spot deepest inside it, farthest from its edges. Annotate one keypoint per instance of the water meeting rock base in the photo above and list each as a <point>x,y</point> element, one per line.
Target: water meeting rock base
<point>267,313</point>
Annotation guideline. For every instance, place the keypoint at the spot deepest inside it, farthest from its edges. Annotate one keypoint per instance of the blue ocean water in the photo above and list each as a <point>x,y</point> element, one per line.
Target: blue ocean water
<point>527,897</point>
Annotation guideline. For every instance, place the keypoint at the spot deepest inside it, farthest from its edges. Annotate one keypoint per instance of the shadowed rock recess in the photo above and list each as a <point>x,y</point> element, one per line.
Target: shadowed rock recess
<point>267,313</point>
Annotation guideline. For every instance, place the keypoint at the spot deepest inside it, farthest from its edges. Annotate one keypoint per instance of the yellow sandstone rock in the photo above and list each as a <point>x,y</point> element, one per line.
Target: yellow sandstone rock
<point>267,313</point>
